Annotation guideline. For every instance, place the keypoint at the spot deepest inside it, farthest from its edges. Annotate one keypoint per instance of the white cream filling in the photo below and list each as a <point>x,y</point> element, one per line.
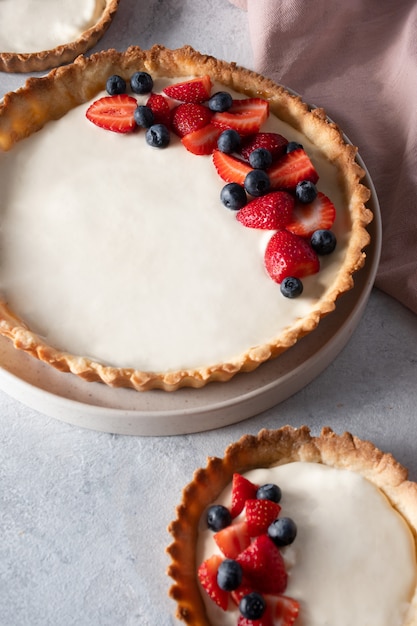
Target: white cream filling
<point>353,560</point>
<point>36,25</point>
<point>124,253</point>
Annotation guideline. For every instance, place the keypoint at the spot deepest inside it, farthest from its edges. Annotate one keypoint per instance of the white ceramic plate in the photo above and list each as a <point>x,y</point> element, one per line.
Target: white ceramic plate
<point>154,413</point>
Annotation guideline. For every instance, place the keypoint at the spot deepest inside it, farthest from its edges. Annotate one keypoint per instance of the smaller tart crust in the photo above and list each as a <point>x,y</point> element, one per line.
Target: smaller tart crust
<point>268,449</point>
<point>65,53</point>
<point>43,99</point>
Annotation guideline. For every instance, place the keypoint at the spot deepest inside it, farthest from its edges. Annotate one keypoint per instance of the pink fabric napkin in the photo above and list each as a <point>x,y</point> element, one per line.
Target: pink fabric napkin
<point>357,60</point>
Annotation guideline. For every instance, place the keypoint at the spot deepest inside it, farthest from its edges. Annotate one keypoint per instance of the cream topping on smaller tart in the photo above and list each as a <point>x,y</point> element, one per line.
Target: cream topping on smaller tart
<point>353,560</point>
<point>32,26</point>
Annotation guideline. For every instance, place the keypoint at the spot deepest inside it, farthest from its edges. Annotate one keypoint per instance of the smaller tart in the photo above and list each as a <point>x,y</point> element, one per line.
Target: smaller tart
<point>268,449</point>
<point>65,52</point>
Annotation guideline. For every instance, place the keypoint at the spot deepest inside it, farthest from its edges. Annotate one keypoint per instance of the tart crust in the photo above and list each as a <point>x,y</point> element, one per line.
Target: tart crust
<point>42,99</point>
<point>271,448</point>
<point>65,53</point>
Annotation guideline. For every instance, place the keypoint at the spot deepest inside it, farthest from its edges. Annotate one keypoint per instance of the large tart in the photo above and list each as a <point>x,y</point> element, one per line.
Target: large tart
<point>353,558</point>
<point>119,262</point>
<point>35,36</point>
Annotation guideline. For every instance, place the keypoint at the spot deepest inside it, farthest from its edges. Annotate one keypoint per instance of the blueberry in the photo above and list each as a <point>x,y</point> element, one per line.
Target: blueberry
<point>306,191</point>
<point>229,575</point>
<point>218,517</point>
<point>141,82</point>
<point>323,241</point>
<point>293,145</point>
<point>269,492</point>
<point>144,116</point>
<point>260,158</point>
<point>252,606</point>
<point>158,136</point>
<point>229,141</point>
<point>115,84</point>
<point>257,183</point>
<point>291,287</point>
<point>233,196</point>
<point>282,531</point>
<point>220,101</point>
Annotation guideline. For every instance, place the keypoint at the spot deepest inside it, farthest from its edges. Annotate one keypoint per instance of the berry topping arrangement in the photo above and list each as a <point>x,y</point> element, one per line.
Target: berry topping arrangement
<point>249,573</point>
<point>270,181</point>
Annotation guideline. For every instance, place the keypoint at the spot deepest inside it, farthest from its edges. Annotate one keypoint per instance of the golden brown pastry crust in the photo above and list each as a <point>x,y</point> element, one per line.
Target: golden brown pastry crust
<point>65,53</point>
<point>270,448</point>
<point>27,110</point>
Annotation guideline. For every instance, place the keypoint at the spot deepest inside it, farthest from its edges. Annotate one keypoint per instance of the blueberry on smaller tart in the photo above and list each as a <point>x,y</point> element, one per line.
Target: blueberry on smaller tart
<point>229,575</point>
<point>306,191</point>
<point>291,287</point>
<point>115,85</point>
<point>141,82</point>
<point>260,159</point>
<point>218,517</point>
<point>269,492</point>
<point>252,606</point>
<point>233,196</point>
<point>220,101</point>
<point>229,141</point>
<point>323,241</point>
<point>257,183</point>
<point>282,531</point>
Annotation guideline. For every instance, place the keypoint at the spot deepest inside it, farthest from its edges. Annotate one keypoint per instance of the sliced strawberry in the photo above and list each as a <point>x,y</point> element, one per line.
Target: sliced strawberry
<point>160,108</point>
<point>203,140</point>
<point>113,113</point>
<point>287,254</point>
<point>207,575</point>
<point>269,212</point>
<point>188,117</point>
<point>243,105</point>
<point>242,490</point>
<point>247,120</point>
<point>233,539</point>
<point>265,620</point>
<point>243,590</point>
<point>274,142</point>
<point>307,218</point>
<point>263,566</point>
<point>229,168</point>
<point>194,90</point>
<point>283,610</point>
<point>259,515</point>
<point>292,168</point>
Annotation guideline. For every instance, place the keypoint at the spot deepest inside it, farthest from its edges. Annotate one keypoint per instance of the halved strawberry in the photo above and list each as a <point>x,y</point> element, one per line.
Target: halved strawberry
<point>233,539</point>
<point>259,515</point>
<point>229,168</point>
<point>203,140</point>
<point>194,90</point>
<point>160,108</point>
<point>247,118</point>
<point>283,610</point>
<point>269,212</point>
<point>242,490</point>
<point>287,254</point>
<point>113,113</point>
<point>291,169</point>
<point>263,566</point>
<point>265,620</point>
<point>188,117</point>
<point>307,218</point>
<point>274,142</point>
<point>207,575</point>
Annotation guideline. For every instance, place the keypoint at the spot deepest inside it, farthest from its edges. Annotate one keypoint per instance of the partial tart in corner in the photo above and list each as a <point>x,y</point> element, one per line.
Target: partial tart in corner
<point>160,254</point>
<point>288,528</point>
<point>36,36</point>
